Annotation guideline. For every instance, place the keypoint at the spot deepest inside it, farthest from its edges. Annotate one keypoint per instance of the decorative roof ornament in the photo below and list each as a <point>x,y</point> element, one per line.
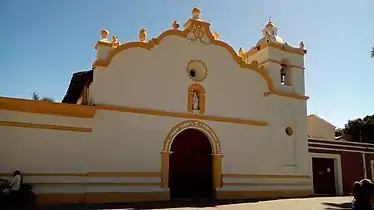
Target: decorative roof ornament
<point>142,35</point>
<point>270,28</point>
<point>115,41</point>
<point>270,23</point>
<point>216,35</point>
<point>196,13</point>
<point>270,34</point>
<point>301,45</point>
<point>104,34</point>
<point>241,54</point>
<point>175,24</point>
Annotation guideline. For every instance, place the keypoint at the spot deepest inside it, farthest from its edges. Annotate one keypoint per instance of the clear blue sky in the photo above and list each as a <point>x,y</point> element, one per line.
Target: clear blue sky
<point>43,42</point>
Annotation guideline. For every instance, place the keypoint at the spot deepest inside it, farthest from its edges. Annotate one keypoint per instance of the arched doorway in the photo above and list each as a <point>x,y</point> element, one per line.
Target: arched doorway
<point>190,169</point>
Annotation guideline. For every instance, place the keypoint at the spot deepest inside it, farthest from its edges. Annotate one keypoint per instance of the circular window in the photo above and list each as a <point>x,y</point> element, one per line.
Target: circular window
<point>192,73</point>
<point>197,70</point>
<point>289,131</point>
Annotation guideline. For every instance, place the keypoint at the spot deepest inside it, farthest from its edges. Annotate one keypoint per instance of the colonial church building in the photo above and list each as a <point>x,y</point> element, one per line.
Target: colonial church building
<point>180,115</point>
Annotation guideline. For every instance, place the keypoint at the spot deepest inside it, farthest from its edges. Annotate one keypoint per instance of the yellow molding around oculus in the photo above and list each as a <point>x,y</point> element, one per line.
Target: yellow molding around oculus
<point>253,66</point>
<point>44,126</point>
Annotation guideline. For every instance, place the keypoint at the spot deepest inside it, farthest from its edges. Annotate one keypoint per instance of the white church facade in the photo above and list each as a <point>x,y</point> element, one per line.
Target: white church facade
<point>180,115</point>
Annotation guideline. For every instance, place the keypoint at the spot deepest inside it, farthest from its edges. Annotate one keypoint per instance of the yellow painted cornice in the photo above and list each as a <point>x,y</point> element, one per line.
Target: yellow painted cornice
<point>285,48</point>
<point>102,43</point>
<point>46,107</point>
<point>44,126</point>
<point>83,111</point>
<point>183,115</point>
<point>281,62</point>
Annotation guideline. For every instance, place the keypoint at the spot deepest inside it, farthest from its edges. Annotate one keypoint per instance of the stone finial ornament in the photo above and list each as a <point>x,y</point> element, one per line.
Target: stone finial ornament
<point>104,34</point>
<point>196,13</point>
<point>175,24</point>
<point>142,35</point>
<point>216,35</point>
<point>241,54</point>
<point>301,45</point>
<point>115,41</point>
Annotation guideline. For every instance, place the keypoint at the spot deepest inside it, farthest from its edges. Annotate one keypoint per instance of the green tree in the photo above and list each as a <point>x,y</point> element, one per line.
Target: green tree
<point>339,132</point>
<point>372,52</point>
<point>361,130</point>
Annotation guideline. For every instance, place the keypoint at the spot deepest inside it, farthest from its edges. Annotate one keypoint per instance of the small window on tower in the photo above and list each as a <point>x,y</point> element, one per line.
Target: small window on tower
<point>283,73</point>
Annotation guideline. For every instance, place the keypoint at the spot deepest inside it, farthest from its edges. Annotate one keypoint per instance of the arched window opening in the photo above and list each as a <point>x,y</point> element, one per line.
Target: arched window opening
<point>285,76</point>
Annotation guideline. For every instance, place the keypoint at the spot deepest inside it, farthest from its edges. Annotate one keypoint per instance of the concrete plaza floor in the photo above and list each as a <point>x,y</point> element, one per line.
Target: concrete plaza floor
<point>318,203</point>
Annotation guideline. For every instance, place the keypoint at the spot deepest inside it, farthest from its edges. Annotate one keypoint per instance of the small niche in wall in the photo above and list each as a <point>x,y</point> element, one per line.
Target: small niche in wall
<point>196,99</point>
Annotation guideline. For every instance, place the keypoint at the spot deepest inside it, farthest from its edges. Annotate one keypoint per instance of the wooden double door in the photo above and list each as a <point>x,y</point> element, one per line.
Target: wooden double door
<point>190,169</point>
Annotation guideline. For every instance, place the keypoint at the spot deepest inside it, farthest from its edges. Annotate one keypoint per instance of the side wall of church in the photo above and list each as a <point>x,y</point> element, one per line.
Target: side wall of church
<point>42,144</point>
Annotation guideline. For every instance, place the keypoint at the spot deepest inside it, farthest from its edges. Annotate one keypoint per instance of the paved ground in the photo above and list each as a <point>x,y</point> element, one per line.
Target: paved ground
<point>321,203</point>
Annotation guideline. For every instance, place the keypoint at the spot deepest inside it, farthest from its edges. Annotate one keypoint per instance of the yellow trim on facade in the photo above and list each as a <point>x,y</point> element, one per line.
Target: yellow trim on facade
<point>158,174</point>
<point>244,184</point>
<point>123,197</point>
<point>123,174</point>
<point>45,107</point>
<point>204,26</point>
<point>214,142</point>
<point>44,126</point>
<point>45,174</point>
<point>139,184</point>
<point>263,194</point>
<point>94,174</point>
<point>105,197</point>
<point>192,124</point>
<point>81,111</point>
<point>280,62</point>
<point>278,46</point>
<point>266,176</point>
<point>182,115</point>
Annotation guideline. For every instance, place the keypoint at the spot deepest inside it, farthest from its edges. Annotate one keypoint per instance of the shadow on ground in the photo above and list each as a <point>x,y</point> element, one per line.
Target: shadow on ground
<point>338,206</point>
<point>198,203</point>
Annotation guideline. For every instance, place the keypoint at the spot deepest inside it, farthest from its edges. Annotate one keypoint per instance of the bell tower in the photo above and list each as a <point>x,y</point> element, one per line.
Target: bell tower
<point>283,63</point>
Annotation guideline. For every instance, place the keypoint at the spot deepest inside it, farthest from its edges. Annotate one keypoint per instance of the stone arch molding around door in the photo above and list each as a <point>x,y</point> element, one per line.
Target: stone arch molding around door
<point>214,141</point>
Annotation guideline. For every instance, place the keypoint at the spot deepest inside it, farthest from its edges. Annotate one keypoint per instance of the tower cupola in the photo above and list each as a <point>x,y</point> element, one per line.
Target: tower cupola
<point>270,34</point>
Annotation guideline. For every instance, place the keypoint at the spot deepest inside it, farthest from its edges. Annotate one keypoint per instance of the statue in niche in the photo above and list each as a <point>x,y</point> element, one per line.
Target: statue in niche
<point>195,101</point>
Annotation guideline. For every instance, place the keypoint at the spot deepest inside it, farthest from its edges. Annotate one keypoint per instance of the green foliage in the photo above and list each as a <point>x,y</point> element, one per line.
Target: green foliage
<point>339,132</point>
<point>361,130</point>
<point>372,52</point>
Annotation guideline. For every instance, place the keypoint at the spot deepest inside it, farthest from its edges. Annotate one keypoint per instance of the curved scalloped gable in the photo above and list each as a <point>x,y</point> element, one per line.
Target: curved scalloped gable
<point>254,66</point>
